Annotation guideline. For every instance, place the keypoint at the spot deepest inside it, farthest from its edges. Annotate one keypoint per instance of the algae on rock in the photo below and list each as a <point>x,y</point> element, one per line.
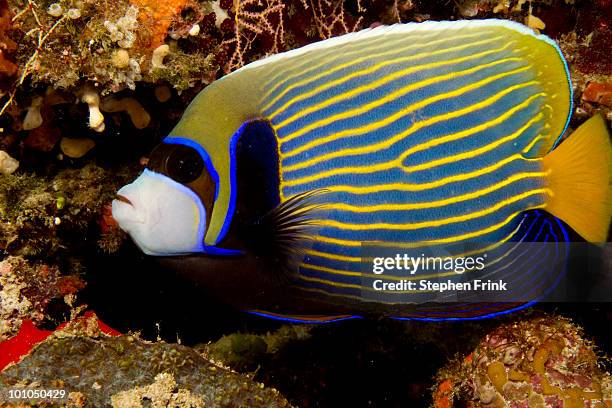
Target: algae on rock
<point>112,369</point>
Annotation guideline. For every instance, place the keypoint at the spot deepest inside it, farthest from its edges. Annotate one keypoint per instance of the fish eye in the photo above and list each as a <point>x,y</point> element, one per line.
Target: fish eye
<point>184,164</point>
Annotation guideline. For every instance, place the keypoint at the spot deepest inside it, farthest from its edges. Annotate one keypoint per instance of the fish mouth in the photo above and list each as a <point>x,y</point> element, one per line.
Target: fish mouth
<point>123,199</point>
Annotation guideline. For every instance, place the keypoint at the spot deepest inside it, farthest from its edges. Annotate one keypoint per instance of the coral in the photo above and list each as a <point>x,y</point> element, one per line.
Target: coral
<point>241,351</point>
<point>89,70</point>
<point>8,68</point>
<point>29,60</point>
<point>122,30</point>
<point>162,393</point>
<point>63,44</point>
<point>121,58</point>
<point>330,17</point>
<point>112,236</point>
<point>543,361</point>
<point>26,289</point>
<point>162,93</point>
<point>39,120</point>
<point>73,13</point>
<point>159,53</point>
<point>55,9</point>
<point>254,18</point>
<point>31,221</point>
<point>220,14</point>
<point>8,165</point>
<point>600,93</point>
<point>534,22</point>
<point>76,148</point>
<point>140,118</point>
<point>20,345</point>
<point>590,66</point>
<point>120,369</point>
<point>158,14</point>
<point>33,118</point>
<point>194,30</point>
<point>184,71</point>
<point>92,99</point>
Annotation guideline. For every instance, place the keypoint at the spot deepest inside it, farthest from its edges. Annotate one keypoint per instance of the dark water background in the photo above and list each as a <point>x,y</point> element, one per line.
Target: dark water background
<point>367,362</point>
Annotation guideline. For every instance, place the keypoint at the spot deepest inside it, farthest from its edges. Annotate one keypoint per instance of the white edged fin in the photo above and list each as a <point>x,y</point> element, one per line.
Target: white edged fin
<point>406,28</point>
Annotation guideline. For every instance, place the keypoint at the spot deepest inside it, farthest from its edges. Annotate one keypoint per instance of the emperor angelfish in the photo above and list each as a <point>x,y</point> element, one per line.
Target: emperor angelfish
<point>279,173</point>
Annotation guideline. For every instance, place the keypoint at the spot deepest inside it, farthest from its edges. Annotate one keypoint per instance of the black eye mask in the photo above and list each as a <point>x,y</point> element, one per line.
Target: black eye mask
<point>185,165</point>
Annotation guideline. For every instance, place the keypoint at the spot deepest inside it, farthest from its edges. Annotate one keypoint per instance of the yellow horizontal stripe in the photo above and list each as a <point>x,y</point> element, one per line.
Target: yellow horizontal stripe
<point>506,265</point>
<point>433,223</point>
<point>371,69</point>
<point>402,113</point>
<point>414,306</point>
<point>334,271</point>
<point>415,127</point>
<point>437,203</point>
<point>310,64</point>
<point>330,283</point>
<point>453,238</point>
<point>499,259</point>
<point>332,294</point>
<point>354,286</point>
<point>347,296</point>
<point>483,126</point>
<point>422,166</point>
<point>366,288</point>
<point>495,244</point>
<point>333,256</point>
<point>515,246</point>
<point>393,95</point>
<point>342,272</point>
<point>425,186</point>
<point>475,152</point>
<point>336,257</point>
<point>533,142</point>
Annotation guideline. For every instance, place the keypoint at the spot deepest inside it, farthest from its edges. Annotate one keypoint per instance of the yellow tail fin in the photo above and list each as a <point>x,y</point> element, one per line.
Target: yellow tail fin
<point>580,175</point>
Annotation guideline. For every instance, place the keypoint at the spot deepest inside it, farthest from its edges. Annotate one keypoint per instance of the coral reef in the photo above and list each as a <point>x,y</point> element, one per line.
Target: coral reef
<point>38,215</point>
<point>27,289</point>
<point>88,87</point>
<point>163,392</point>
<point>8,68</point>
<point>543,361</point>
<point>125,371</point>
<point>243,350</point>
<point>20,345</point>
<point>108,44</point>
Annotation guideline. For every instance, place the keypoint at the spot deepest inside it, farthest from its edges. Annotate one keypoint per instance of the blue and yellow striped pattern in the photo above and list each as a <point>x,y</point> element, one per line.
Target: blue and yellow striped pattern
<point>417,135</point>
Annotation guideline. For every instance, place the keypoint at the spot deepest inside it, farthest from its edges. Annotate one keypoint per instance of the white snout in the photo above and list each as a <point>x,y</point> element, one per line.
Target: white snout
<point>163,217</point>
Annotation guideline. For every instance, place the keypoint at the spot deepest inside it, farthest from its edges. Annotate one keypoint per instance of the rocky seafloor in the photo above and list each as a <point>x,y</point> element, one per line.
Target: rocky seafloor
<point>89,87</point>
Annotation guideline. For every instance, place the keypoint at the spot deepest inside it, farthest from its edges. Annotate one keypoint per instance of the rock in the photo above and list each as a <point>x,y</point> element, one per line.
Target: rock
<point>111,371</point>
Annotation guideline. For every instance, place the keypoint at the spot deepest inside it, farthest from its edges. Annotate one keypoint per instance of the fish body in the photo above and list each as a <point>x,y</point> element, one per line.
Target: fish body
<point>410,135</point>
